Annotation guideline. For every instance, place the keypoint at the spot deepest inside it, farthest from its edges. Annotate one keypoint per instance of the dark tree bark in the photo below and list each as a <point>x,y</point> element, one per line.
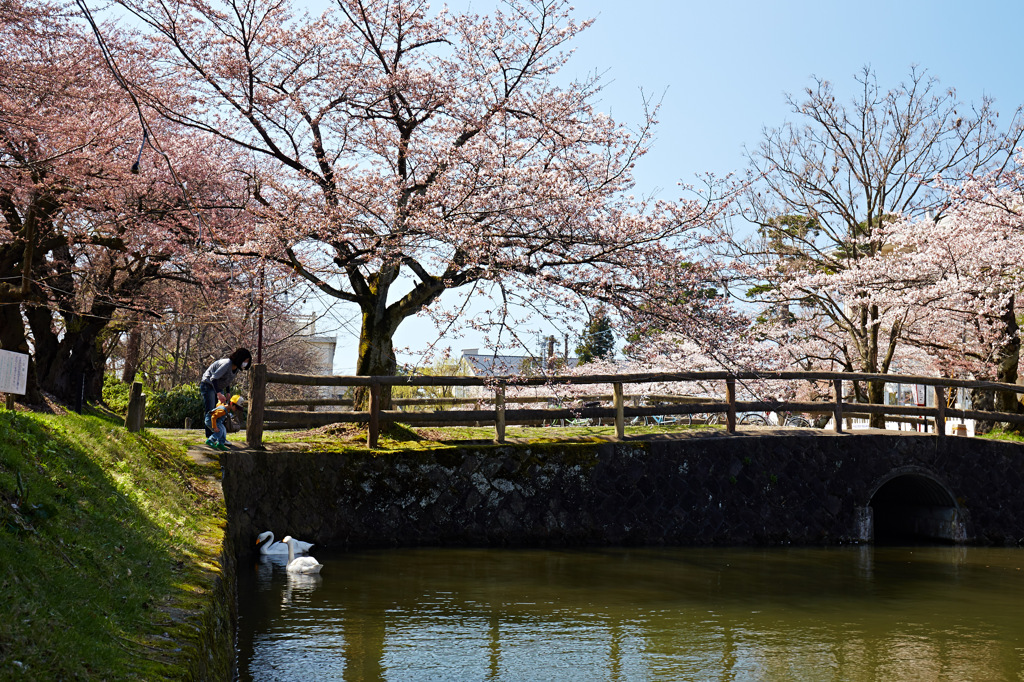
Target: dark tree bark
<point>12,338</point>
<point>131,356</point>
<point>71,367</point>
<point>1007,365</point>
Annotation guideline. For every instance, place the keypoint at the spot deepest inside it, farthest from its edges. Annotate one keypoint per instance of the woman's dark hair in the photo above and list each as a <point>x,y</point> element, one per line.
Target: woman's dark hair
<point>239,356</point>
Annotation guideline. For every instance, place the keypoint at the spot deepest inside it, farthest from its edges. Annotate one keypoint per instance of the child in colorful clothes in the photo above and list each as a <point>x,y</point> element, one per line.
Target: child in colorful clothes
<point>215,419</point>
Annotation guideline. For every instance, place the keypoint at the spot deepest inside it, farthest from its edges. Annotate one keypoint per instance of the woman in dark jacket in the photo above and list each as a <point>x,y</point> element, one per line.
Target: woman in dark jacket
<point>219,376</point>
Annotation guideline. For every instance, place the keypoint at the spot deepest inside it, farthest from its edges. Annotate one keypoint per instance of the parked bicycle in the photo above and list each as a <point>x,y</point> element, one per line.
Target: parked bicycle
<point>765,419</point>
<point>798,421</point>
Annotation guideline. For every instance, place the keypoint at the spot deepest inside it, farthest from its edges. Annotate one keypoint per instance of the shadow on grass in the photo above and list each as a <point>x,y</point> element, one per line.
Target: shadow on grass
<point>101,529</point>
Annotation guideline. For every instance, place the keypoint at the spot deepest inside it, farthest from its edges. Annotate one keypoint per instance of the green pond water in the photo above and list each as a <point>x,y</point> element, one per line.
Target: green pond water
<point>851,613</point>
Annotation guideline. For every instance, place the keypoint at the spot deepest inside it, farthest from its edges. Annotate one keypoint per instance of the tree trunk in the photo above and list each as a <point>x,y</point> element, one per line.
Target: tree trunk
<point>876,396</point>
<point>1007,365</point>
<point>376,353</point>
<point>131,355</point>
<point>12,338</point>
<point>72,368</point>
<point>982,399</point>
<point>72,376</point>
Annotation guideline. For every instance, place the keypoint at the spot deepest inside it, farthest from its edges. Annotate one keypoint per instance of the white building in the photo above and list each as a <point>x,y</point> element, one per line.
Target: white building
<point>319,351</point>
<point>493,365</point>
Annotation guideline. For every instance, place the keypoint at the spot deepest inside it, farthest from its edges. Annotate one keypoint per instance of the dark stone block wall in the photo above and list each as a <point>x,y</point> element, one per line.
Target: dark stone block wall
<point>715,489</point>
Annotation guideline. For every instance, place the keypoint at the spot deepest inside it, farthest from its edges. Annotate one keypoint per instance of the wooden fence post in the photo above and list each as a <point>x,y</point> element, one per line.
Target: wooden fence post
<point>257,403</point>
<point>135,418</point>
<point>499,413</point>
<point>940,411</point>
<point>373,433</point>
<point>620,410</point>
<point>730,397</point>
<point>837,409</point>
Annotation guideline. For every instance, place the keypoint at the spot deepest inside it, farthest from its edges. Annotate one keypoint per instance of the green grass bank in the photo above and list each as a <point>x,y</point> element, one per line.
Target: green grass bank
<point>113,564</point>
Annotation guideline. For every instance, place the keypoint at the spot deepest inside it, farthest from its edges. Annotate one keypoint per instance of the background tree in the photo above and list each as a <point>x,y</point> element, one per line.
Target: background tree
<point>598,342</point>
<point>198,325</point>
<point>847,169</point>
<point>414,152</point>
<point>955,283</point>
<point>443,367</point>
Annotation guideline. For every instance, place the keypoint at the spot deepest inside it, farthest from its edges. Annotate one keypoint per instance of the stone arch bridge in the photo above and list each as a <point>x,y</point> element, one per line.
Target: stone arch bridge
<point>805,487</point>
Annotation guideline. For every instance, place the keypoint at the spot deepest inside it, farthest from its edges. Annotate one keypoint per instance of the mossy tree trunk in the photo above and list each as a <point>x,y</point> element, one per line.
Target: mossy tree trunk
<point>376,353</point>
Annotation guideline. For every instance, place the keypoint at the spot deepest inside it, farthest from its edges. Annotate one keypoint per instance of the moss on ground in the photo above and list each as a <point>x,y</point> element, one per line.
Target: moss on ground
<point>1000,434</point>
<point>399,437</point>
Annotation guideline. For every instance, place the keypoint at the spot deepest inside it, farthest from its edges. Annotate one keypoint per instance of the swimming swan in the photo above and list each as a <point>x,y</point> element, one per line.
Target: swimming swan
<point>265,541</point>
<point>302,564</point>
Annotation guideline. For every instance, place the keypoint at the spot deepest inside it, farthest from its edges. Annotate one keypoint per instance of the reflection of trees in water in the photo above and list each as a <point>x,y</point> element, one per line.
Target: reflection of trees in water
<point>365,632</point>
<point>494,648</point>
<point>851,613</point>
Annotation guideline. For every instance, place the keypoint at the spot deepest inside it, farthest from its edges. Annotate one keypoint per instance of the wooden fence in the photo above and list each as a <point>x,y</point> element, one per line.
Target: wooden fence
<point>260,412</point>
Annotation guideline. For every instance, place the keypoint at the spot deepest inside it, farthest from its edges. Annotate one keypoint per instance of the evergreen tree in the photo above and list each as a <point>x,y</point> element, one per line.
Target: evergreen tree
<point>598,341</point>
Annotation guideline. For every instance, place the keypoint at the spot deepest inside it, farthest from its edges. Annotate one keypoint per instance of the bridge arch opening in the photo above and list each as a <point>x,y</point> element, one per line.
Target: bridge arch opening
<point>914,508</point>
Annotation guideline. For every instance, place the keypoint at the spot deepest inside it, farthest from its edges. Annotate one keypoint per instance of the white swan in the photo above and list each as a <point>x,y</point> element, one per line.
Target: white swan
<point>302,564</point>
<point>265,541</point>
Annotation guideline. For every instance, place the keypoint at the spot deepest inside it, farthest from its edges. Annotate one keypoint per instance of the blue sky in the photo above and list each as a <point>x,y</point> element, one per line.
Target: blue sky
<point>722,69</point>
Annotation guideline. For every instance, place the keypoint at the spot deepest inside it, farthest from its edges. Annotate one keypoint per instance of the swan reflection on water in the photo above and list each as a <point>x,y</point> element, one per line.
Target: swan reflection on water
<point>267,563</point>
<point>300,585</point>
<point>296,585</point>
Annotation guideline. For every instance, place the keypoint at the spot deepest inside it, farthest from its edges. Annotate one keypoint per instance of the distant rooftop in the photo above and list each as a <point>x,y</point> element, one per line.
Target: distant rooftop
<point>489,364</point>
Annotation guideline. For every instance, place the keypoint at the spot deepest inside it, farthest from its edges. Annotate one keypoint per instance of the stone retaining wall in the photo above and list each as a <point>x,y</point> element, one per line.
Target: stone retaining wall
<point>698,490</point>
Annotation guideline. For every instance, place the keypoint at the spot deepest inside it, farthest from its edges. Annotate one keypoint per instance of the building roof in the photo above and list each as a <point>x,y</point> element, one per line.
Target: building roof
<point>490,365</point>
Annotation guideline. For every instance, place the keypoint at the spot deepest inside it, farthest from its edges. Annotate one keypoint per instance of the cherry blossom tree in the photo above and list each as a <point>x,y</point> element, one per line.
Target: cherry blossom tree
<point>84,237</point>
<point>413,152</point>
<point>953,282</point>
<point>827,186</point>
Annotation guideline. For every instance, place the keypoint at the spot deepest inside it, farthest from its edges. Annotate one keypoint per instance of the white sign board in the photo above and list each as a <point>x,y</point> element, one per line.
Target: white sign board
<point>13,372</point>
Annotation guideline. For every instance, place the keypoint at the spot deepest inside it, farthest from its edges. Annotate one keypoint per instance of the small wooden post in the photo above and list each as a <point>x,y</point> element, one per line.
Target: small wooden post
<point>373,434</point>
<point>9,400</point>
<point>837,409</point>
<point>620,411</point>
<point>940,411</point>
<point>499,413</point>
<point>730,397</point>
<point>135,418</point>
<point>257,404</point>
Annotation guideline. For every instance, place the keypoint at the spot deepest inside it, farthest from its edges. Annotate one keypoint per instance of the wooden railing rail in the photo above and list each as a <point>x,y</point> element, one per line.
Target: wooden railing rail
<point>636,378</point>
<point>650,398</point>
<point>501,416</point>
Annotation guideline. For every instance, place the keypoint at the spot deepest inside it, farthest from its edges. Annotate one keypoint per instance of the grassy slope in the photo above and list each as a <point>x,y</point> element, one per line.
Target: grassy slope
<point>106,547</point>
